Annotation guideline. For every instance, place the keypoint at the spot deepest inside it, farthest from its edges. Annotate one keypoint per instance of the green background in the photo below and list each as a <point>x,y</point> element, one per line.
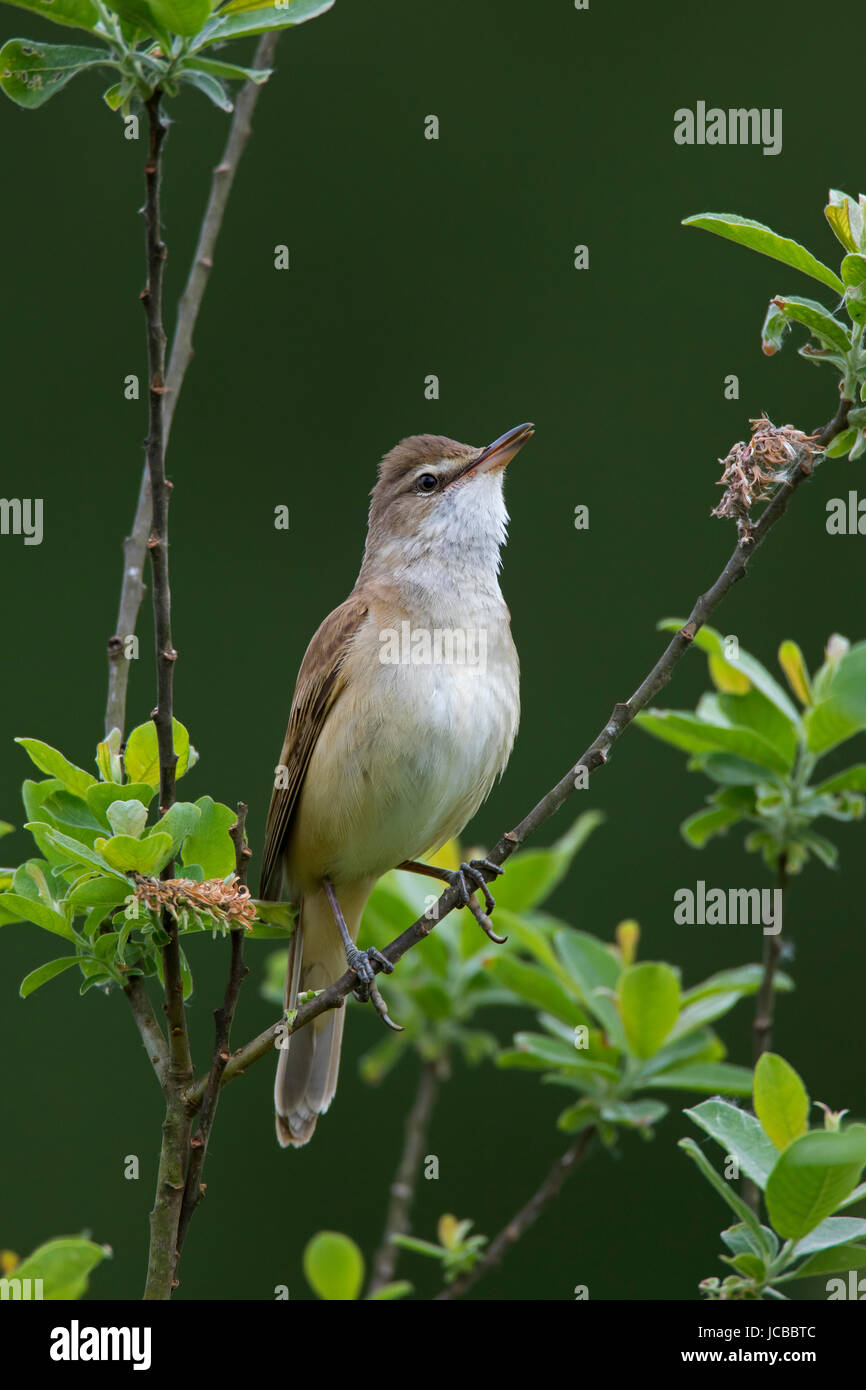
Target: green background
<point>411,257</point>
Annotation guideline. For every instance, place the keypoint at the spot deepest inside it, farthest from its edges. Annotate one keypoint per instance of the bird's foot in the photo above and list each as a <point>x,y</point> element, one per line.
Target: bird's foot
<point>363,963</point>
<point>475,873</point>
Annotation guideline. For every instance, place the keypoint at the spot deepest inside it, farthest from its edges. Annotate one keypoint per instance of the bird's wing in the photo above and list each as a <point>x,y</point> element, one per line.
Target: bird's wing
<point>320,681</point>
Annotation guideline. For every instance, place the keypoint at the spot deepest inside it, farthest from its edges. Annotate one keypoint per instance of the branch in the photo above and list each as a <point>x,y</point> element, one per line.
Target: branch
<point>402,1190</point>
<point>564,1166</point>
<point>175,1129</point>
<point>223,1016</point>
<point>595,757</point>
<point>135,546</point>
<point>148,1026</point>
<point>762,1027</point>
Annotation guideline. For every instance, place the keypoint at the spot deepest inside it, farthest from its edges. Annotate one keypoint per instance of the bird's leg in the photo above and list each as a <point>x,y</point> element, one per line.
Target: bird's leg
<point>362,962</point>
<point>473,872</point>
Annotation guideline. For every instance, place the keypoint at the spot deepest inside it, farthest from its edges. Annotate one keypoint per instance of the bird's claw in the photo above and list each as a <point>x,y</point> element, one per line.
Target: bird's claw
<point>474,872</point>
<point>362,962</point>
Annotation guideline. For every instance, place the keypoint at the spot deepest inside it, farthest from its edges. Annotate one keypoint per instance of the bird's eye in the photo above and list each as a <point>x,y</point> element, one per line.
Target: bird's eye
<point>428,482</point>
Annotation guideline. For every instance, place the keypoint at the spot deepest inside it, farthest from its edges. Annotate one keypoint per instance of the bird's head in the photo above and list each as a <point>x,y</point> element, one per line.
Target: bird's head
<point>435,498</point>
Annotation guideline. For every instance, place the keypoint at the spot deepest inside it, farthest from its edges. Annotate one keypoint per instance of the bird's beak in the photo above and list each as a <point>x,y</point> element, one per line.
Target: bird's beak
<point>497,454</point>
<point>502,450</point>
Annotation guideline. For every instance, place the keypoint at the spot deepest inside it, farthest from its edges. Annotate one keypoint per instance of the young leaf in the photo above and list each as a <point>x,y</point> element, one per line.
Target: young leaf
<point>31,72</point>
<point>815,317</point>
<point>100,797</point>
<point>649,1003</point>
<point>53,763</point>
<point>127,854</point>
<point>64,1266</point>
<point>693,735</point>
<point>703,1076</point>
<point>740,1135</point>
<point>239,18</point>
<point>179,821</point>
<point>141,757</point>
<point>211,86</point>
<point>536,987</point>
<point>781,1101</point>
<point>793,663</point>
<point>230,71</point>
<point>845,218</point>
<point>210,844</point>
<point>703,825</point>
<point>183,17</point>
<point>811,1178</point>
<point>127,817</point>
<point>727,1192</point>
<point>760,238</point>
<point>334,1266</point>
<point>79,14</point>
<point>533,874</point>
<point>44,973</point>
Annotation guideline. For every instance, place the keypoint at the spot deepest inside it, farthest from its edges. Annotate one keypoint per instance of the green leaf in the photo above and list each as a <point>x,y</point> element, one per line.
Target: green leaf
<point>815,317</point>
<point>127,817</point>
<point>141,757</point>
<point>757,237</point>
<point>125,853</point>
<point>846,219</point>
<point>44,973</point>
<point>239,18</point>
<point>100,891</point>
<point>699,828</point>
<point>841,710</point>
<point>78,14</point>
<point>634,1114</point>
<point>837,1260</point>
<point>531,875</point>
<point>108,758</point>
<point>713,643</point>
<point>812,1177</point>
<point>401,1288</point>
<point>854,275</point>
<point>740,1135</point>
<point>104,794</point>
<point>179,821</point>
<point>210,844</point>
<point>557,1053</point>
<point>273,920</point>
<point>37,912</point>
<point>212,88</point>
<point>781,1101</point>
<point>334,1266</point>
<point>793,663</point>
<point>853,779</point>
<point>684,730</point>
<point>183,17</point>
<point>704,1076</point>
<point>595,971</point>
<point>703,1011</point>
<point>649,1002</point>
<point>536,987</point>
<point>744,979</point>
<point>842,444</point>
<point>230,71</point>
<point>726,1192</point>
<point>64,1266</point>
<point>50,761</point>
<point>31,72</point>
<point>836,1230</point>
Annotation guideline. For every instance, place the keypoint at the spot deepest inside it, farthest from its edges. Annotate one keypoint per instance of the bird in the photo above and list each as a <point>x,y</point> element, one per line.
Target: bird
<point>404,714</point>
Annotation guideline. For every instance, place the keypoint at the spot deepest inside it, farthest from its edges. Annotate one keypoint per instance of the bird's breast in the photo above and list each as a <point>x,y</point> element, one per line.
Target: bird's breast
<point>413,744</point>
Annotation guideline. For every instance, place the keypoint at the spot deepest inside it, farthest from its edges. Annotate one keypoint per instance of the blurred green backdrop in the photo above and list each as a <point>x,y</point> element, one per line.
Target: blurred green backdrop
<point>412,257</point>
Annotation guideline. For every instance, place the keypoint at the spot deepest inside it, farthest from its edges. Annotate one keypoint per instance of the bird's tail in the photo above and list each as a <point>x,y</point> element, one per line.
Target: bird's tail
<point>309,1063</point>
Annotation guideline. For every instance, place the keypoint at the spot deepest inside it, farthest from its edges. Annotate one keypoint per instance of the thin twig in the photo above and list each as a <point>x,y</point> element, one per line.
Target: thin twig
<point>223,1016</point>
<point>562,1169</point>
<point>176,1124</point>
<point>762,1027</point>
<point>595,757</point>
<point>402,1191</point>
<point>135,546</point>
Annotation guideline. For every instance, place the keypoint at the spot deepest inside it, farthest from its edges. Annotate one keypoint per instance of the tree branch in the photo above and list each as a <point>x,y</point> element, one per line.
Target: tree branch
<point>402,1192</point>
<point>148,1026</point>
<point>762,1027</point>
<point>223,1016</point>
<point>562,1169</point>
<point>176,1124</point>
<point>135,546</point>
<point>595,757</point>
